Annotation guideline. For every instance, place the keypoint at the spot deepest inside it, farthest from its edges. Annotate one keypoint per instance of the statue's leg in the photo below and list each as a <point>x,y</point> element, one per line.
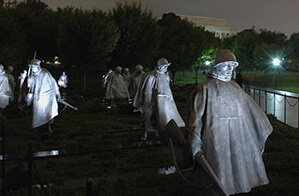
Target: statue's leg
<point>112,102</point>
<point>157,133</point>
<point>144,137</point>
<point>49,126</point>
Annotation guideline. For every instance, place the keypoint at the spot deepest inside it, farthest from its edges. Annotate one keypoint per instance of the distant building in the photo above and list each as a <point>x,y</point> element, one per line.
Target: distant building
<point>217,26</point>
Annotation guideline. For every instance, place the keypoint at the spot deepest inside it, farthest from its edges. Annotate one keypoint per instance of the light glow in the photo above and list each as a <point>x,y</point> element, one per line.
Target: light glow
<point>276,62</point>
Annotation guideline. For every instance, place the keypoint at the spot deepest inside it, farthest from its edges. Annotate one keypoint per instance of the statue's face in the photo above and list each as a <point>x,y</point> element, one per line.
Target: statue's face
<point>118,70</point>
<point>225,69</point>
<point>1,69</point>
<point>35,69</point>
<point>163,68</point>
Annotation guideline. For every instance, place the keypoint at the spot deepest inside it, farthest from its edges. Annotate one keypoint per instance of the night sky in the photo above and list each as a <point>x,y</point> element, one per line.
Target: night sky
<point>273,15</point>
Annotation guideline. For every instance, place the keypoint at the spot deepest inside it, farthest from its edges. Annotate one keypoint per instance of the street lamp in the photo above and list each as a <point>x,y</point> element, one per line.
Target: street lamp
<point>205,66</point>
<point>276,63</point>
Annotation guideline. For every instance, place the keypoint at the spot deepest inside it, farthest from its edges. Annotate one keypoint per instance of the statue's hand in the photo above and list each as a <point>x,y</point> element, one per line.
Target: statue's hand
<point>29,98</point>
<point>199,154</point>
<point>58,96</point>
<point>29,81</point>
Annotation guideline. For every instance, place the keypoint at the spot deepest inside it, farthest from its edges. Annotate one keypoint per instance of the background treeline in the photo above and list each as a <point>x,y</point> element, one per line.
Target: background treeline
<point>127,35</point>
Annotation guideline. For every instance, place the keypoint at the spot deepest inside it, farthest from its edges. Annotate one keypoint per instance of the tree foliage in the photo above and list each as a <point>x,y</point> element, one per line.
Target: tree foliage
<point>37,22</point>
<point>262,55</point>
<point>181,42</point>
<point>126,36</point>
<point>36,7</point>
<point>293,49</point>
<point>256,49</point>
<point>139,34</point>
<point>243,47</point>
<point>85,38</point>
<point>12,39</point>
<point>272,37</point>
<point>270,45</point>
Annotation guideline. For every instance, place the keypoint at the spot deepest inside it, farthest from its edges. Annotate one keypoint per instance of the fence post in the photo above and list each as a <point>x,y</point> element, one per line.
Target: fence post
<point>254,93</point>
<point>274,103</point>
<point>30,169</point>
<point>285,108</point>
<point>266,104</point>
<point>259,97</point>
<point>89,184</point>
<point>3,160</point>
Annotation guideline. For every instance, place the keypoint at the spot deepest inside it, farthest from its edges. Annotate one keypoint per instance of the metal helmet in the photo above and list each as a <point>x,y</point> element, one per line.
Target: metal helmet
<point>10,68</point>
<point>35,62</point>
<point>138,68</point>
<point>126,69</point>
<point>163,61</point>
<point>225,55</point>
<point>118,68</point>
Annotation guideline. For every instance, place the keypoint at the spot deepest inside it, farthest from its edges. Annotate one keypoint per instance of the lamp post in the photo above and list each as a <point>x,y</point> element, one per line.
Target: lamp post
<point>276,62</point>
<point>207,63</point>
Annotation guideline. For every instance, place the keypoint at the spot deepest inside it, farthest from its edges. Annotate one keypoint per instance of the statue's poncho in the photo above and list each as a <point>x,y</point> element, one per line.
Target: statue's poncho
<point>230,129</point>
<point>5,90</point>
<point>116,87</point>
<point>12,83</point>
<point>135,80</point>
<point>126,77</point>
<point>44,106</point>
<point>155,98</point>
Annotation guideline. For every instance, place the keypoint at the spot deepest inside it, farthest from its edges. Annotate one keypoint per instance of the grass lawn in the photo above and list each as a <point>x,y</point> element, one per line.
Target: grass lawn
<point>281,156</point>
<point>286,81</point>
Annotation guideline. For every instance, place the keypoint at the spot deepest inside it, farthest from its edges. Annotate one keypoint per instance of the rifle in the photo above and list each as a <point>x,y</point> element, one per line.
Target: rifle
<point>175,131</point>
<point>66,104</point>
<point>29,75</point>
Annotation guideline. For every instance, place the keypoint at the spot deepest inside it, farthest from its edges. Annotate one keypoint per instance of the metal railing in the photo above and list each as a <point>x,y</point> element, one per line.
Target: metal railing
<point>283,105</point>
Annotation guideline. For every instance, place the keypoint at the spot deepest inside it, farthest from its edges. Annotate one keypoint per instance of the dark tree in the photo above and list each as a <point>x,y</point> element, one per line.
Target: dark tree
<point>181,42</point>
<point>293,50</point>
<point>256,49</point>
<point>228,42</point>
<point>12,39</point>
<point>243,47</point>
<point>37,7</point>
<point>139,35</point>
<point>36,20</point>
<point>85,38</point>
<point>272,37</point>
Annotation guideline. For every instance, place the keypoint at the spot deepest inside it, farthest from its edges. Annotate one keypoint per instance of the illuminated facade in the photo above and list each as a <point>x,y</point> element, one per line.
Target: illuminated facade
<point>217,26</point>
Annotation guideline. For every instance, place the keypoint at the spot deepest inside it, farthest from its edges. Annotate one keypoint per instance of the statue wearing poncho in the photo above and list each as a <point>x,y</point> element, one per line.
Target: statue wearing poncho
<point>156,100</point>
<point>116,87</point>
<point>229,128</point>
<point>135,80</point>
<point>63,80</point>
<point>40,92</point>
<point>5,89</point>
